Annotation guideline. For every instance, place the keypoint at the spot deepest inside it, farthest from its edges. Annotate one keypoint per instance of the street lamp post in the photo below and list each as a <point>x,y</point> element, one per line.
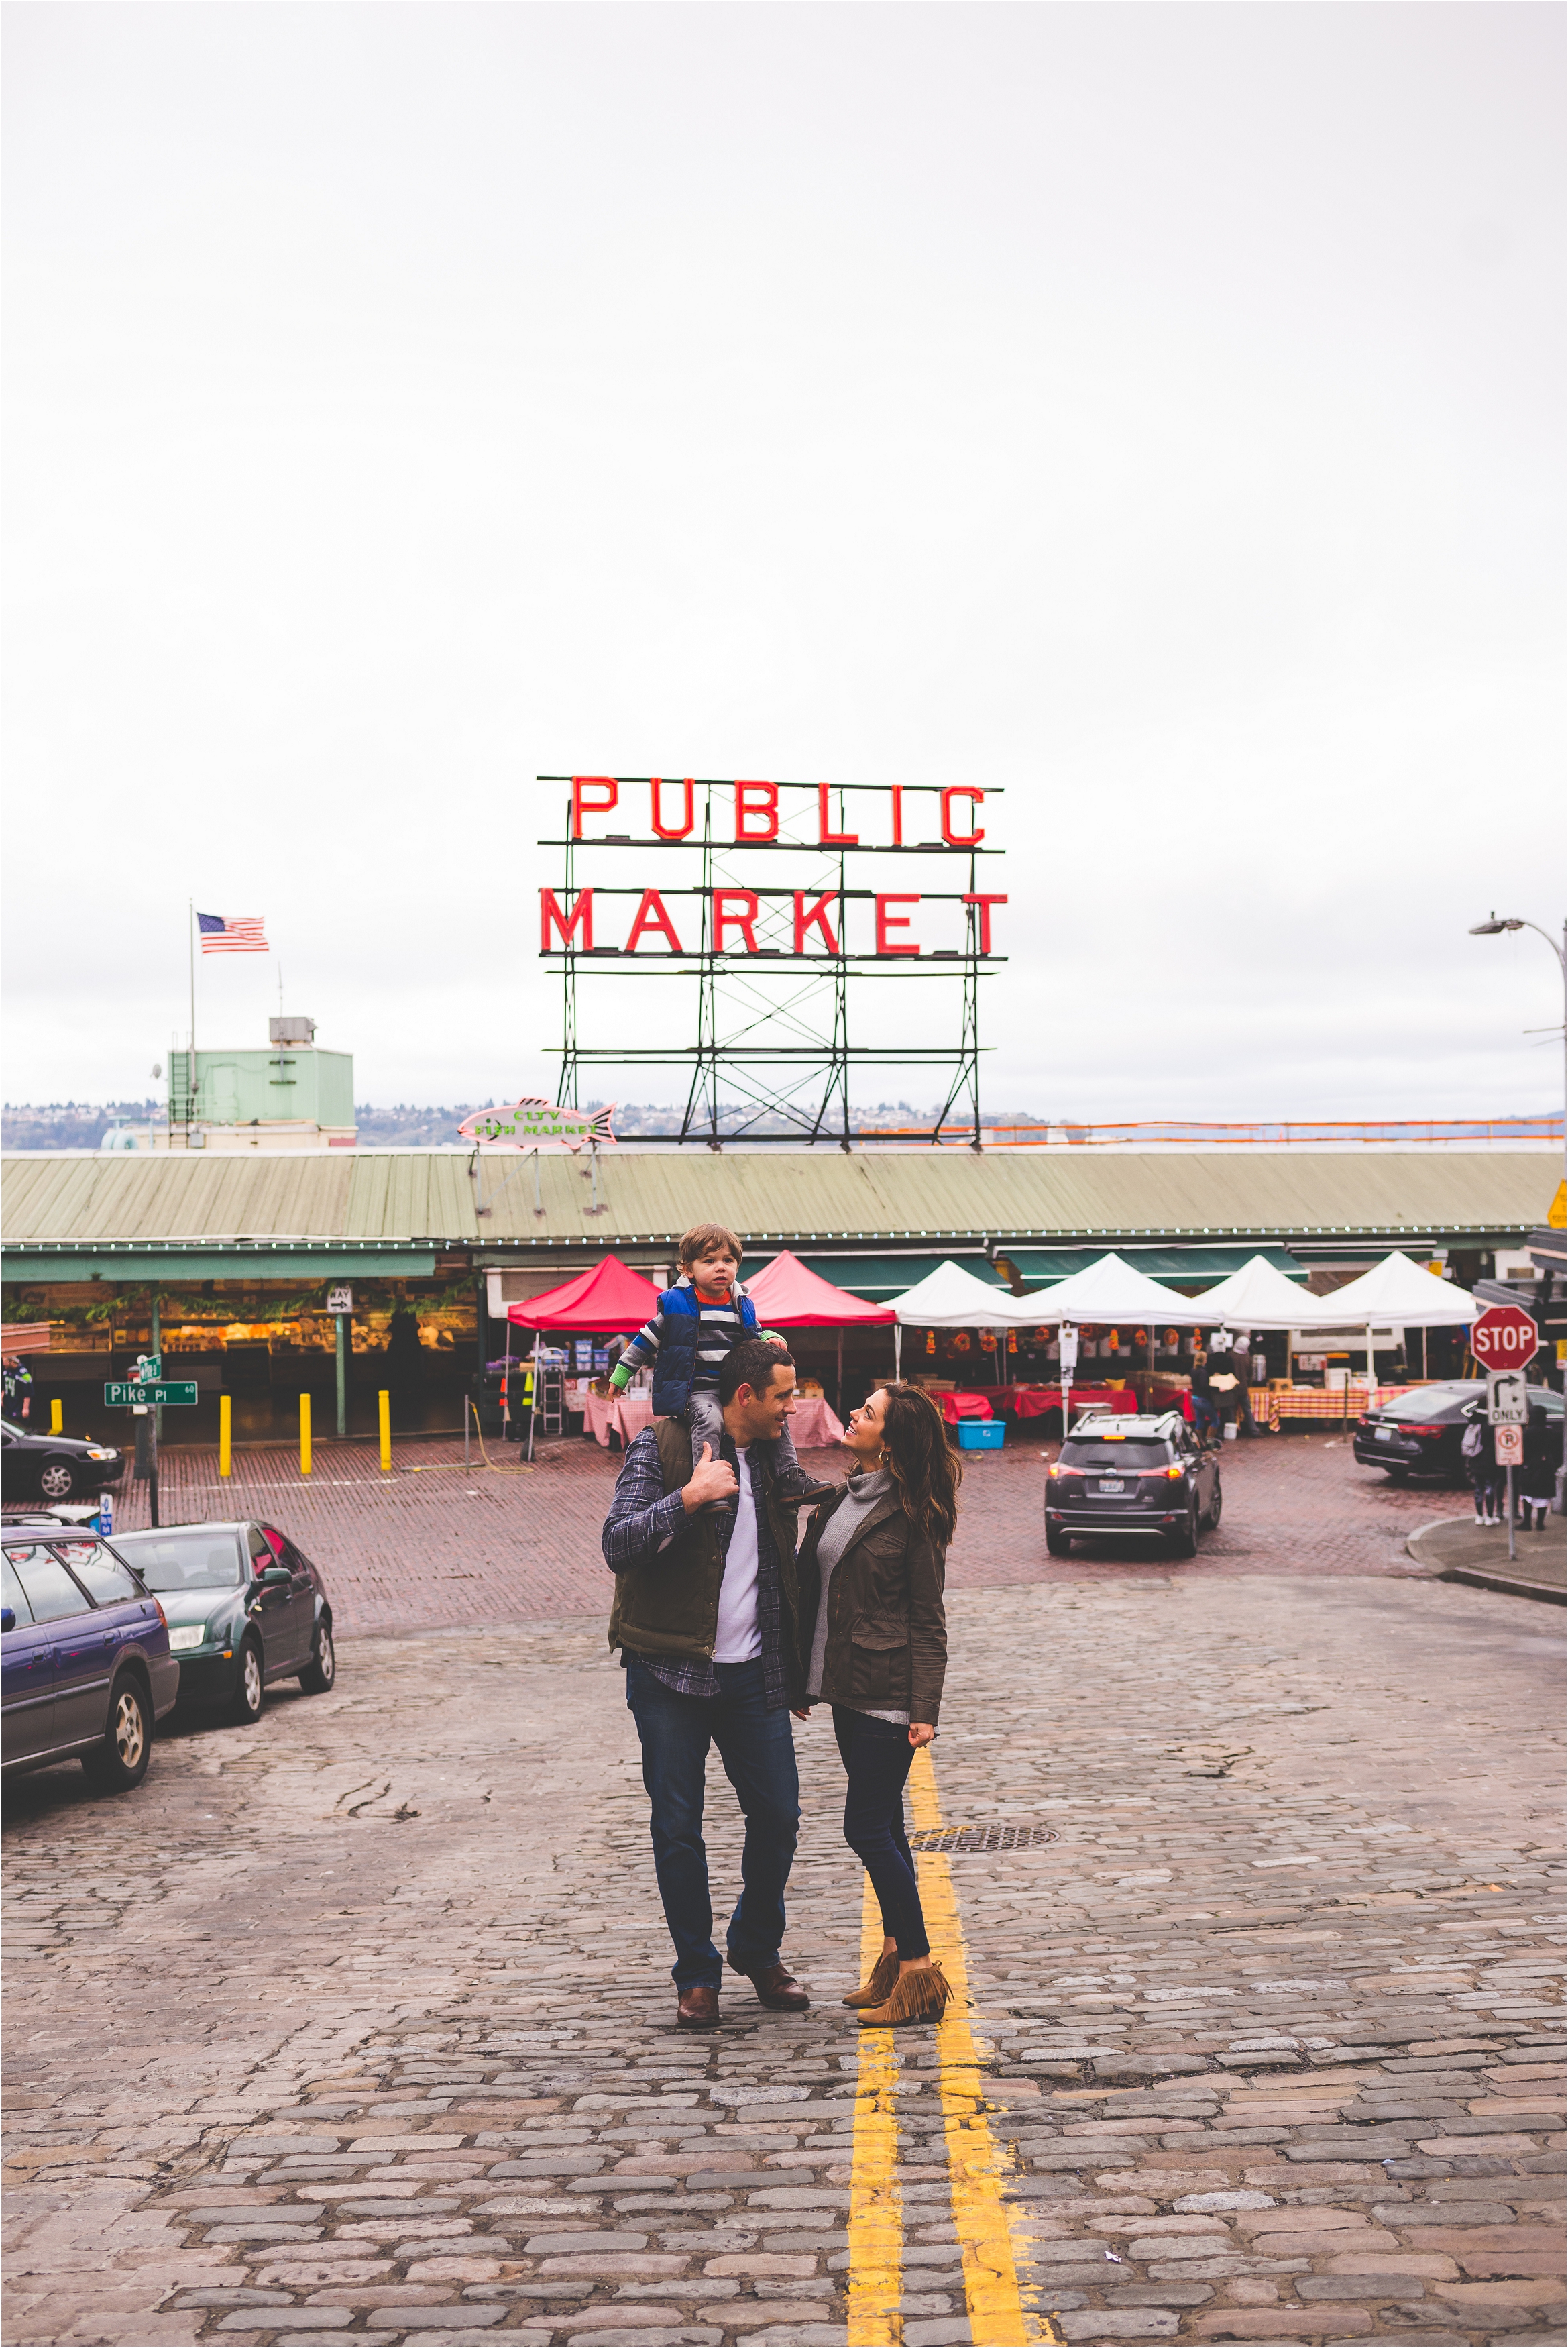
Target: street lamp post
<point>1492,927</point>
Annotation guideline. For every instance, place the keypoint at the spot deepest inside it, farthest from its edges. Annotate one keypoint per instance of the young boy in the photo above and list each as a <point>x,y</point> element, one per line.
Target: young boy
<point>698,1321</point>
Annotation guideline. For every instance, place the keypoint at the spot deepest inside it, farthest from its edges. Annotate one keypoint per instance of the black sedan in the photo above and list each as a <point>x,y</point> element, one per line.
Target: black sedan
<point>1420,1433</point>
<point>1142,1476</point>
<point>55,1466</point>
<point>245,1607</point>
<point>85,1648</point>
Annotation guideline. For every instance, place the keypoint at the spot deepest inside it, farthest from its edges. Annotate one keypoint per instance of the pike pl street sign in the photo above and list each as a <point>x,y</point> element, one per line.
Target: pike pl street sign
<point>127,1394</point>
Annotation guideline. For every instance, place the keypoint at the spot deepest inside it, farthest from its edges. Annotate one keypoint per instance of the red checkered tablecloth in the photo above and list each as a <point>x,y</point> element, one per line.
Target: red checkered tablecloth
<point>1318,1402</point>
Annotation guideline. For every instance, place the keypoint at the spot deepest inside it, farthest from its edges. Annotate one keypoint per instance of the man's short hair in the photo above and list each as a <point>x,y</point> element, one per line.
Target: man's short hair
<point>703,1238</point>
<point>751,1364</point>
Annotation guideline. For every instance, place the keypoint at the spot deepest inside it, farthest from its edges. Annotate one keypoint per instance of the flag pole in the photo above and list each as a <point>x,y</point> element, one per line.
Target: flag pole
<point>191,1060</point>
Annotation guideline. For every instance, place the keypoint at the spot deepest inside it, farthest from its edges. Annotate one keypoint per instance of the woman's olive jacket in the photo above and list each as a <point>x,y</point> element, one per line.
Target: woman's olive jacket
<point>886,1627</point>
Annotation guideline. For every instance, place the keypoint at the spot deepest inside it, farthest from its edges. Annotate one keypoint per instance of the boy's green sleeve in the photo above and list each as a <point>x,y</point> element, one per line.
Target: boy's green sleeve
<point>619,1376</point>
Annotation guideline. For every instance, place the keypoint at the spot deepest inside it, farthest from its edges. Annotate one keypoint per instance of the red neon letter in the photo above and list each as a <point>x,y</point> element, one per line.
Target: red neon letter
<point>898,815</point>
<point>663,833</point>
<point>985,904</point>
<point>886,920</point>
<point>583,804</point>
<point>826,839</point>
<point>816,917</point>
<point>972,838</point>
<point>652,915</point>
<point>549,910</point>
<point>749,808</point>
<point>745,920</point>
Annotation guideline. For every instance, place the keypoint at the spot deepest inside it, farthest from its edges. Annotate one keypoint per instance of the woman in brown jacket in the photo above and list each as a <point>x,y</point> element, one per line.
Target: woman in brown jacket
<point>871,1574</point>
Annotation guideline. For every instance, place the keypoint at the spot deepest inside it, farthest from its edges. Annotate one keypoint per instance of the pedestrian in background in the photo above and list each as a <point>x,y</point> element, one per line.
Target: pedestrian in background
<point>1478,1449</point>
<point>871,1608</point>
<point>1537,1478</point>
<point>18,1387</point>
<point>1205,1418</point>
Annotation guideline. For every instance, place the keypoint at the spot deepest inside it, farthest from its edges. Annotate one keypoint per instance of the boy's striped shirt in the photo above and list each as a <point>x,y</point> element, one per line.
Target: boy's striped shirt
<point>720,1328</point>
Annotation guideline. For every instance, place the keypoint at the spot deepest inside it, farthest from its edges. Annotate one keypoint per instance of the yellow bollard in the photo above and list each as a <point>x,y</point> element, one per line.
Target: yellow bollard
<point>305,1435</point>
<point>383,1405</point>
<point>56,1416</point>
<point>225,1431</point>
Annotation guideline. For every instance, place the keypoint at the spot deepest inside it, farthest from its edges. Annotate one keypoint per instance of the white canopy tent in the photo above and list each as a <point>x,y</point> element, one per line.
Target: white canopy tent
<point>1258,1296</point>
<point>1109,1290</point>
<point>952,1298</point>
<point>1396,1293</point>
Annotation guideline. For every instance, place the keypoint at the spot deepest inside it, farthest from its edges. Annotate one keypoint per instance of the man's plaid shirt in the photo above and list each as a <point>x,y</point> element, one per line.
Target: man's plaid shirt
<point>642,1522</point>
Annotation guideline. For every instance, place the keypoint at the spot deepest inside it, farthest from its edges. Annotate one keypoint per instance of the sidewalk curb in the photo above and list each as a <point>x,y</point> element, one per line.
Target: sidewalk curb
<point>1506,1584</point>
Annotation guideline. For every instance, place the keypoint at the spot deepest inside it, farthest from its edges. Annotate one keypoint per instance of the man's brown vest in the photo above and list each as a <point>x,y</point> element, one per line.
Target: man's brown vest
<point>670,1606</point>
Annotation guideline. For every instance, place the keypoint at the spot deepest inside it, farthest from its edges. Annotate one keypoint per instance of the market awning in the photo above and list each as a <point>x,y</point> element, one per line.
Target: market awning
<point>1035,1264</point>
<point>611,1297</point>
<point>1258,1296</point>
<point>788,1294</point>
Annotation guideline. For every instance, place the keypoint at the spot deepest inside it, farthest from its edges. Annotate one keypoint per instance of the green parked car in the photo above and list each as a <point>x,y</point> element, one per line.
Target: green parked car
<point>245,1607</point>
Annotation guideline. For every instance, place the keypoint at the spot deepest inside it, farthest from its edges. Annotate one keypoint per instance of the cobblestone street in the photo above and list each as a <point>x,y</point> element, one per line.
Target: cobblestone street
<point>433,1545</point>
<point>360,2020</point>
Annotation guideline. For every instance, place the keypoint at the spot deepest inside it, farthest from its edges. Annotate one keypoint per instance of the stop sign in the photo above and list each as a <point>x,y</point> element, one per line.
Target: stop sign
<point>1504,1338</point>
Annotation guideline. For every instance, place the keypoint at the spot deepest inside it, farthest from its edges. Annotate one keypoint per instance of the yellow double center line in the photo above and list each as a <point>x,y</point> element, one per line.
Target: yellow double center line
<point>980,2214</point>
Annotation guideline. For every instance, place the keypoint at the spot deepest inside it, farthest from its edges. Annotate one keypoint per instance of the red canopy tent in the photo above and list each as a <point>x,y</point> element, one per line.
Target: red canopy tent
<point>789,1295</point>
<point>608,1297</point>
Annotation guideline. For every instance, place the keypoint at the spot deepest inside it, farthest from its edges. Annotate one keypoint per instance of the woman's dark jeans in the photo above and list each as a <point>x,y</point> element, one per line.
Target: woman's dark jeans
<point>877,1753</point>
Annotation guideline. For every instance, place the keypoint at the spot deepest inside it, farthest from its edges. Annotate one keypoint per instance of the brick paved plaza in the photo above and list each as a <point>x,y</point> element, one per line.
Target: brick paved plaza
<point>360,2022</point>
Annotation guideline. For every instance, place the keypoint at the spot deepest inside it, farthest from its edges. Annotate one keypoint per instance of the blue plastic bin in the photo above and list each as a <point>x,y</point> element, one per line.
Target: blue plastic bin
<point>980,1434</point>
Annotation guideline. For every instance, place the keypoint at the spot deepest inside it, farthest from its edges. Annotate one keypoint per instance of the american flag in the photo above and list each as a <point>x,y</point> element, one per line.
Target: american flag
<point>241,934</point>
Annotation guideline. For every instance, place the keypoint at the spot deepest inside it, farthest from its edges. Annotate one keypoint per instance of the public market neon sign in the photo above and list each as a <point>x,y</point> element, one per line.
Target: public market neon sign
<point>819,915</point>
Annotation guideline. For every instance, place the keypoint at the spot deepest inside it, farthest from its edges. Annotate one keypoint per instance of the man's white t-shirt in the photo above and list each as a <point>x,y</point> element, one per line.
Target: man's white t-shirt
<point>738,1639</point>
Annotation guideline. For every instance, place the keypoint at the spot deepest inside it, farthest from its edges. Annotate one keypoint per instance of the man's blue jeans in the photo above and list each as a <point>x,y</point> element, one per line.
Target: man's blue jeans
<point>757,1749</point>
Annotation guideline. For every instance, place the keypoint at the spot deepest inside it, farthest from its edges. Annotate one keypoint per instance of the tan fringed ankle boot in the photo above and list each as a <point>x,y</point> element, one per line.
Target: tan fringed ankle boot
<point>884,1973</point>
<point>919,1996</point>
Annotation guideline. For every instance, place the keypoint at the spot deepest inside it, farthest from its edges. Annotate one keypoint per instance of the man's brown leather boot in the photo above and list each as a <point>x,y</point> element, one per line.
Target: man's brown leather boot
<point>776,1987</point>
<point>698,2008</point>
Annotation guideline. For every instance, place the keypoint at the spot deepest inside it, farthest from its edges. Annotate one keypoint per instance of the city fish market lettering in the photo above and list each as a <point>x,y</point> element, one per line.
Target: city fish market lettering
<point>728,918</point>
<point>539,1125</point>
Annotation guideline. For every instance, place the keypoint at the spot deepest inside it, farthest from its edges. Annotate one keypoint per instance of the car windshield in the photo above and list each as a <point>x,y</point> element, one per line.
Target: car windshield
<point>1115,1452</point>
<point>1427,1402</point>
<point>195,1558</point>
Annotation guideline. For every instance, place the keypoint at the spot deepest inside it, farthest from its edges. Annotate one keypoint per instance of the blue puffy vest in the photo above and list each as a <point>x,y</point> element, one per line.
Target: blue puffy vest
<point>675,1364</point>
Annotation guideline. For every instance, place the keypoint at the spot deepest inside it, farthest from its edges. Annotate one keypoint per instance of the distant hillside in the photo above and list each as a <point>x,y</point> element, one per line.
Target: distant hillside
<point>81,1125</point>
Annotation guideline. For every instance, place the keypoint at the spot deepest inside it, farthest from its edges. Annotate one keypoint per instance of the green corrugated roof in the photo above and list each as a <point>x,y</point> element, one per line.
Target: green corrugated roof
<point>816,1203</point>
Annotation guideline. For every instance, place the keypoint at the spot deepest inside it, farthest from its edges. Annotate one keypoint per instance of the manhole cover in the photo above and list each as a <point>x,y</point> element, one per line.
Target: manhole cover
<point>992,1838</point>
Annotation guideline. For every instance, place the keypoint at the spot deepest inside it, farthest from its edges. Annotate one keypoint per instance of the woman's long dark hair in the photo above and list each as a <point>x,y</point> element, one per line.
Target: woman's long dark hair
<point>925,1471</point>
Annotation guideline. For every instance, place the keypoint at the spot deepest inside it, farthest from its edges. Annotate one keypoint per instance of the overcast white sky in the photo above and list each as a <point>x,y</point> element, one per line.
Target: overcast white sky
<point>1155,410</point>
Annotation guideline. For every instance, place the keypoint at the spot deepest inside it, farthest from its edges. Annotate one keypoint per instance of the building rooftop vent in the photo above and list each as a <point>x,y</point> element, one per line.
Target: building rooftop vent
<point>291,1031</point>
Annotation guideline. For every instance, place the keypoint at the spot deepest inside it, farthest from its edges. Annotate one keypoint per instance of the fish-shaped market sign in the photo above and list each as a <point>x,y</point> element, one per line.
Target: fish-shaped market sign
<point>539,1125</point>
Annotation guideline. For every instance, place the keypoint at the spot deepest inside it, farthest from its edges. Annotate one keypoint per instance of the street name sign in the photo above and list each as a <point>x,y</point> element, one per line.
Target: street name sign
<point>1511,1446</point>
<point>147,1366</point>
<point>129,1394</point>
<point>1507,1398</point>
<point>1504,1337</point>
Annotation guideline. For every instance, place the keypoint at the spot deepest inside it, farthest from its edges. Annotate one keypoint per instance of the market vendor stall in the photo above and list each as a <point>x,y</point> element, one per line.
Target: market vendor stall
<point>1035,1402</point>
<point>610,1300</point>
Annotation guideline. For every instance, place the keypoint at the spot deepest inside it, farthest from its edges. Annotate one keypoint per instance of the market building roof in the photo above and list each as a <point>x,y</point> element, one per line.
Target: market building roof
<point>76,1215</point>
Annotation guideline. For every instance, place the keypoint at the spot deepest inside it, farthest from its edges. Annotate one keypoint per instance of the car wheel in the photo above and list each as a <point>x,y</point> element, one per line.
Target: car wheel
<point>248,1696</point>
<point>321,1671</point>
<point>1059,1543</point>
<point>56,1480</point>
<point>1184,1542</point>
<point>1211,1522</point>
<point>120,1762</point>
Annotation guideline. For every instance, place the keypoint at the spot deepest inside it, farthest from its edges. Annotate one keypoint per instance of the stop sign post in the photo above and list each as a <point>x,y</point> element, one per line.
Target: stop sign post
<point>1504,1337</point>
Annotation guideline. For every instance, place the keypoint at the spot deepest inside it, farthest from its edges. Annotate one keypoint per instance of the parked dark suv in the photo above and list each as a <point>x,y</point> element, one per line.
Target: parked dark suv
<point>1420,1433</point>
<point>1142,1476</point>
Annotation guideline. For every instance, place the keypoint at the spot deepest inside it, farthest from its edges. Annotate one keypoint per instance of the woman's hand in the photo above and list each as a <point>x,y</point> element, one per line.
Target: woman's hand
<point>805,1714</point>
<point>921,1732</point>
